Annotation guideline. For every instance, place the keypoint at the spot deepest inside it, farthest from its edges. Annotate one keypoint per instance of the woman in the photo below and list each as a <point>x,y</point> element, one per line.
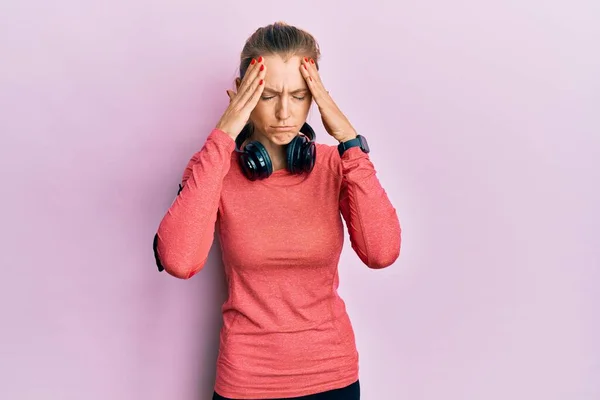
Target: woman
<point>276,198</point>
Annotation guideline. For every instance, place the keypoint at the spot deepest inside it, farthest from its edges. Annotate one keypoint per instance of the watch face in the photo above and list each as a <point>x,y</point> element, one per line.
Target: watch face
<point>363,144</point>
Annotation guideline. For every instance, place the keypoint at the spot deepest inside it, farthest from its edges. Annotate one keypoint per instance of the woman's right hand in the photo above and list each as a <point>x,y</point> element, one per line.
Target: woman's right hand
<point>243,102</point>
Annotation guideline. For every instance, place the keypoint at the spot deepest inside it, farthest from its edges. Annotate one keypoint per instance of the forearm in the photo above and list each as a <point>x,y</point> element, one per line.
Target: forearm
<point>186,232</point>
<point>371,218</point>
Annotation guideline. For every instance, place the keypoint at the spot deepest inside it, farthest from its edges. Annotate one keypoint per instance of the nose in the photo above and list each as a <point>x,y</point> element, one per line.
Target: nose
<point>282,111</point>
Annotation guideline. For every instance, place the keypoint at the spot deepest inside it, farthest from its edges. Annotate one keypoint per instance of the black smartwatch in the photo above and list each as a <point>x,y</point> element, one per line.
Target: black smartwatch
<point>357,141</point>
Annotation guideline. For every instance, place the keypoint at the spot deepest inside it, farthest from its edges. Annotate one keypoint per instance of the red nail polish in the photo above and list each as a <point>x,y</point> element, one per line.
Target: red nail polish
<point>253,62</point>
<point>261,82</point>
<point>260,59</point>
<point>312,61</point>
<point>262,67</point>
<point>305,67</point>
<point>305,59</point>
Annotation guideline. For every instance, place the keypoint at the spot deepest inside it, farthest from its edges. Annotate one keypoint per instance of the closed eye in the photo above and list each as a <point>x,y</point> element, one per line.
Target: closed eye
<point>295,97</point>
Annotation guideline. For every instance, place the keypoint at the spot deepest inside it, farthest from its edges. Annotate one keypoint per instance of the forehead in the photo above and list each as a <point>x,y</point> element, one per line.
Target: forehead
<point>284,74</point>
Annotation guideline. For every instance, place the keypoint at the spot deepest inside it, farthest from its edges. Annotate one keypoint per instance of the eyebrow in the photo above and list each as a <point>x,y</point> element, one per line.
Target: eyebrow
<point>269,89</point>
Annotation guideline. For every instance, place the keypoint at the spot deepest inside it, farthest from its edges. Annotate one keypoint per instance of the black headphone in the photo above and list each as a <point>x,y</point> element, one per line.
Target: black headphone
<point>256,163</point>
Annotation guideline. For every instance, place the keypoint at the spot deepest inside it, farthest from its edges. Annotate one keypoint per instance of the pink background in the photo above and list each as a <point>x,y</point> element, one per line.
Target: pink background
<point>484,124</point>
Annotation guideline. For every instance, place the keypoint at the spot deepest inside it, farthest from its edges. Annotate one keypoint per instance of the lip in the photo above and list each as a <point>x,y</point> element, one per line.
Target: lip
<point>282,128</point>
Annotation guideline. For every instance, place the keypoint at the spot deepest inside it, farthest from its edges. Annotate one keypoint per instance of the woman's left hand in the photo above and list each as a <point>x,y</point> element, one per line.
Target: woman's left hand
<point>334,121</point>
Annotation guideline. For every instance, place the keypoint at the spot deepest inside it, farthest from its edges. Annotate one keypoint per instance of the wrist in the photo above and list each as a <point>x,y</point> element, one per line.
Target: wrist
<point>357,141</point>
<point>345,138</point>
<point>227,132</point>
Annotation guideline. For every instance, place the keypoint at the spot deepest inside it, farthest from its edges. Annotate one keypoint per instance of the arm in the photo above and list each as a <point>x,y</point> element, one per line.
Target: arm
<point>185,234</point>
<point>371,219</point>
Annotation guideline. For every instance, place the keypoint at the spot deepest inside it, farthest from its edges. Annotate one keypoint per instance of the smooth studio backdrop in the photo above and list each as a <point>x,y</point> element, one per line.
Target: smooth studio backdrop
<point>483,119</point>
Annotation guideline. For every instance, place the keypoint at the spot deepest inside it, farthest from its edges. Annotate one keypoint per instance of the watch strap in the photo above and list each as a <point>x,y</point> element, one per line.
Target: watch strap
<point>358,141</point>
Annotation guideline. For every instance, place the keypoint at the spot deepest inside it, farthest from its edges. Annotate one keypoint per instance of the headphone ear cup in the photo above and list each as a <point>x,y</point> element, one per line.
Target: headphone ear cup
<point>255,161</point>
<point>309,156</point>
<point>293,150</point>
<point>301,155</point>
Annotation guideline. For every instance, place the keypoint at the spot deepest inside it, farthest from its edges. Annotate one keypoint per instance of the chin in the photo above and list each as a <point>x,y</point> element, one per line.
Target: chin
<point>283,138</point>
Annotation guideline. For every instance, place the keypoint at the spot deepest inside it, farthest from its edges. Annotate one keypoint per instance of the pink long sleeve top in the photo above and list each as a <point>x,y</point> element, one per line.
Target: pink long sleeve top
<point>285,332</point>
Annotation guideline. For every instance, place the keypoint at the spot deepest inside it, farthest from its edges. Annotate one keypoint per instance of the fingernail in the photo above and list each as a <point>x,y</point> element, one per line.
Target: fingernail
<point>305,59</point>
<point>260,59</point>
<point>305,67</point>
<point>312,61</point>
<point>262,67</point>
<point>253,62</point>
<point>261,82</point>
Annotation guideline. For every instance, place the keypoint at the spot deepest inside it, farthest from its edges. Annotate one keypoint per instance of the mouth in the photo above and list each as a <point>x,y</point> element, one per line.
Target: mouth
<point>282,128</point>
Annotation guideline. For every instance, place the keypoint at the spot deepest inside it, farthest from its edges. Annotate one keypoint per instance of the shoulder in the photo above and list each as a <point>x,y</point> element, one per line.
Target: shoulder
<point>329,157</point>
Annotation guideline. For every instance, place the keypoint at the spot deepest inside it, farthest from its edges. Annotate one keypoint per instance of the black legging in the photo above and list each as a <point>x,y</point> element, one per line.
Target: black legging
<point>350,392</point>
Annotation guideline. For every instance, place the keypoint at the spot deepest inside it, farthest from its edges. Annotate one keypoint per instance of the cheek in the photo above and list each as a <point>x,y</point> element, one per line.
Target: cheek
<point>305,106</point>
<point>260,111</point>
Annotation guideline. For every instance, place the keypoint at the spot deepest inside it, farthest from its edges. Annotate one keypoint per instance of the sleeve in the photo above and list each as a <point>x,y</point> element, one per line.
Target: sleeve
<point>185,234</point>
<point>371,219</point>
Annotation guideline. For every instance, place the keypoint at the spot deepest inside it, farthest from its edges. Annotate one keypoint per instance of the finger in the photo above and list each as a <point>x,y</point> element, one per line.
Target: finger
<point>305,71</point>
<point>254,85</point>
<point>255,91</point>
<point>253,69</point>
<point>311,67</point>
<point>230,94</point>
<point>245,88</point>
<point>313,84</point>
<point>255,97</point>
